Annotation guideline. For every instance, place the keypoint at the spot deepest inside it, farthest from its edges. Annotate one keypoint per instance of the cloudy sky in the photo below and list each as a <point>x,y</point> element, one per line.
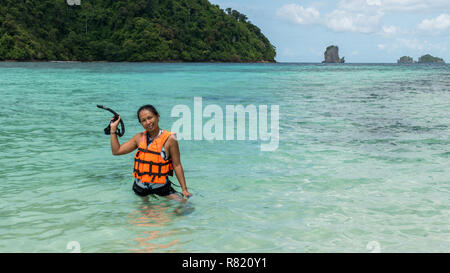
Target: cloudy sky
<point>366,31</point>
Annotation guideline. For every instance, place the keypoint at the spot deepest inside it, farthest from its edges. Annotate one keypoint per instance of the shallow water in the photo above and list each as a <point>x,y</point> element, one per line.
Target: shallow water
<point>363,156</point>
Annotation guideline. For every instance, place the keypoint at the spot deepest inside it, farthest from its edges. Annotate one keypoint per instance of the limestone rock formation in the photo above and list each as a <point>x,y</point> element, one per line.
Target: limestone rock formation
<point>332,55</point>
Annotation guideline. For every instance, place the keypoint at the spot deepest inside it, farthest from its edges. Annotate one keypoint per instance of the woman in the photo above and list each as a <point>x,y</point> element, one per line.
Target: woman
<point>157,157</point>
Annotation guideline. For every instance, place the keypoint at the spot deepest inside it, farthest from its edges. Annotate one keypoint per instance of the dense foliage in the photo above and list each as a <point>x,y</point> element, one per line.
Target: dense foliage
<point>430,59</point>
<point>406,60</point>
<point>133,30</point>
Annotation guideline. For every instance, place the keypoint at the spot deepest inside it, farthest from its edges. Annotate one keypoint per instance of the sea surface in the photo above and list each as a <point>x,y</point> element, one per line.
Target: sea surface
<point>362,162</point>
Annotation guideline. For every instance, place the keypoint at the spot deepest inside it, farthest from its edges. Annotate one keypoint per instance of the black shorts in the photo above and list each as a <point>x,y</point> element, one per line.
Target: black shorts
<point>161,191</point>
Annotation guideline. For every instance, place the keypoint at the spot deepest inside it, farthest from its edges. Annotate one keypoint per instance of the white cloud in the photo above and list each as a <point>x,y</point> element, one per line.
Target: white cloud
<point>390,48</point>
<point>382,46</point>
<point>439,23</point>
<point>341,20</point>
<point>366,16</point>
<point>415,5</point>
<point>389,31</point>
<point>421,45</point>
<point>337,20</point>
<point>418,45</point>
<point>393,5</point>
<point>374,2</point>
<point>413,44</point>
<point>298,14</point>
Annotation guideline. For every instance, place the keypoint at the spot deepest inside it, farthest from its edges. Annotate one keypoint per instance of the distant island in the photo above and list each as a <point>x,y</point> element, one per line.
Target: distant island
<point>430,59</point>
<point>424,59</point>
<point>332,55</point>
<point>406,60</point>
<point>135,30</point>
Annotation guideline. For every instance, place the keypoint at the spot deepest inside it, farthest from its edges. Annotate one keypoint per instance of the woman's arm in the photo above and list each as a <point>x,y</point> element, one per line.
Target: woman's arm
<point>174,153</point>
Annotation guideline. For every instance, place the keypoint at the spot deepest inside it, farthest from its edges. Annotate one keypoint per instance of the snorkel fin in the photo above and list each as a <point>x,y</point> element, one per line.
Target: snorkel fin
<point>120,131</point>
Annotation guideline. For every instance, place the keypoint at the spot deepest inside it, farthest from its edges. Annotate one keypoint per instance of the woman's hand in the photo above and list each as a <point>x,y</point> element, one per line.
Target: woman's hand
<point>186,194</point>
<point>113,125</point>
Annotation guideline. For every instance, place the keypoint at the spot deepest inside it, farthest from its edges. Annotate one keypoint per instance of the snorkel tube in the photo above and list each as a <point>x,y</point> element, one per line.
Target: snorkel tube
<point>107,130</point>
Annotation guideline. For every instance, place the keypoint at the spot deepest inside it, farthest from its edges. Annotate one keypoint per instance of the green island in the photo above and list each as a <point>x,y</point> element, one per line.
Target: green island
<point>424,59</point>
<point>406,60</point>
<point>134,30</point>
<point>430,59</point>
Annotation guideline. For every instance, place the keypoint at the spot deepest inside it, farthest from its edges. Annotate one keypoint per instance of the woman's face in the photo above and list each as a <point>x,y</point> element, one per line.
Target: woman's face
<point>148,120</point>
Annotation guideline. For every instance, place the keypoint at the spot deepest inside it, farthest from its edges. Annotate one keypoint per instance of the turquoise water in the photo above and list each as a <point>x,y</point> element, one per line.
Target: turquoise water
<point>363,159</point>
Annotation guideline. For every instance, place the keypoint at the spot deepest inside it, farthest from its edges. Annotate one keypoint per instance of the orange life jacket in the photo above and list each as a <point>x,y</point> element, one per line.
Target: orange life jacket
<point>149,165</point>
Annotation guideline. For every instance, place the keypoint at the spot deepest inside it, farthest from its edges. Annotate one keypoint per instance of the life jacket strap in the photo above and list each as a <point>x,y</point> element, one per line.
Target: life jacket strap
<point>150,173</point>
<point>152,163</point>
<point>148,151</point>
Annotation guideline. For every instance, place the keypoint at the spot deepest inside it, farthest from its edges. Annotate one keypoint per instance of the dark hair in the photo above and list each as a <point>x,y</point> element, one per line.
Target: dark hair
<point>148,107</point>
